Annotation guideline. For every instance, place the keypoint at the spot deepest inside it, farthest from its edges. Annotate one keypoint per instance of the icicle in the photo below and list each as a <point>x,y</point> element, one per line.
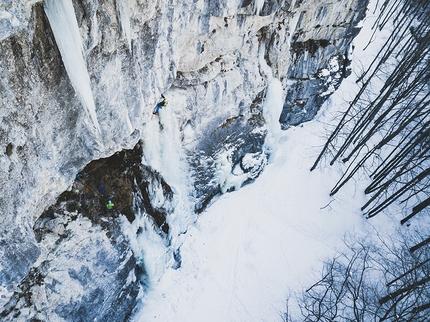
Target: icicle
<point>62,19</point>
<point>258,5</point>
<point>124,17</point>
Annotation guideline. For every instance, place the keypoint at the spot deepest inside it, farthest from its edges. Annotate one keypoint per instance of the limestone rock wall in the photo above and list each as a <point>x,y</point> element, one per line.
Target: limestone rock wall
<point>202,55</point>
<point>320,47</point>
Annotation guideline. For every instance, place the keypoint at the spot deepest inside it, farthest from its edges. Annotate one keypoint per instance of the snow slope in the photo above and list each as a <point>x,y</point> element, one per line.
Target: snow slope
<point>255,247</point>
<point>251,247</point>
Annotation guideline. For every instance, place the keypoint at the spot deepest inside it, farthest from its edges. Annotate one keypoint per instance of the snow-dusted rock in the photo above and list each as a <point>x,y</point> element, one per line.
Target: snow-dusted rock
<point>80,275</point>
<point>87,268</point>
<point>321,39</point>
<point>204,56</point>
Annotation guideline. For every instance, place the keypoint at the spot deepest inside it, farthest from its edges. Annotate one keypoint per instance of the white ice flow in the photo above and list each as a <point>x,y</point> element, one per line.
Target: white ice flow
<point>62,19</point>
<point>162,152</point>
<point>273,104</point>
<point>229,177</point>
<point>124,17</point>
<point>258,5</point>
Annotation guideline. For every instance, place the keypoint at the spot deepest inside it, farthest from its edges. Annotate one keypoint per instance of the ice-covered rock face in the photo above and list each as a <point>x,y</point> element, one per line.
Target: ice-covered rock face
<point>87,269</point>
<point>59,112</point>
<point>319,55</point>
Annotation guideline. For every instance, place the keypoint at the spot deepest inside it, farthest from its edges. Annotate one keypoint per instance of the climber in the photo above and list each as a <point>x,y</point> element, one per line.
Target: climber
<point>160,105</point>
<point>101,188</point>
<point>109,205</point>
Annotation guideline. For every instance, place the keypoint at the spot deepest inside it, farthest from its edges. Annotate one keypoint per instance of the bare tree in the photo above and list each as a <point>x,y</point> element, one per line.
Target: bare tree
<point>371,283</point>
<point>385,133</point>
<point>388,135</point>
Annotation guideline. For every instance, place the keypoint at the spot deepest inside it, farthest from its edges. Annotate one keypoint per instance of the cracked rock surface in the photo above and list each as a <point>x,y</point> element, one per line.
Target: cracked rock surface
<point>205,57</point>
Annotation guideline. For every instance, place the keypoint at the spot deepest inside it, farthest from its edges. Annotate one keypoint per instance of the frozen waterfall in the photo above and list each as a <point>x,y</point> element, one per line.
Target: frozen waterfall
<point>258,5</point>
<point>62,19</point>
<point>272,106</point>
<point>124,17</point>
<point>232,176</point>
<point>163,152</point>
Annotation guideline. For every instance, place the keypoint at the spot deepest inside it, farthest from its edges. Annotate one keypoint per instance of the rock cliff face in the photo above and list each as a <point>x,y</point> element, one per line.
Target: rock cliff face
<point>319,56</point>
<point>79,82</point>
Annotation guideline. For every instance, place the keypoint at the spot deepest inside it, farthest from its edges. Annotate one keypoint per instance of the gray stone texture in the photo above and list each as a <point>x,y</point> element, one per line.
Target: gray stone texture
<point>206,52</point>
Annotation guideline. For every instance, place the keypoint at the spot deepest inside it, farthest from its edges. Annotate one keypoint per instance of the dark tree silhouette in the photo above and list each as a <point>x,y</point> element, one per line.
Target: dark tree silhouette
<point>385,133</point>
<point>371,283</point>
<point>389,135</point>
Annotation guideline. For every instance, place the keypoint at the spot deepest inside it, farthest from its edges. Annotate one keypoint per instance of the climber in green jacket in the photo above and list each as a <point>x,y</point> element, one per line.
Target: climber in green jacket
<point>109,205</point>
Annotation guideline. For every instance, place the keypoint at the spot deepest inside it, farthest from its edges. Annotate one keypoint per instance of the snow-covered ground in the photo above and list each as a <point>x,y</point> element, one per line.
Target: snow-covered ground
<point>254,247</point>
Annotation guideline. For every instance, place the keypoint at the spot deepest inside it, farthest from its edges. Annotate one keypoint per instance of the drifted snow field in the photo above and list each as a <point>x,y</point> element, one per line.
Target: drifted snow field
<point>255,247</point>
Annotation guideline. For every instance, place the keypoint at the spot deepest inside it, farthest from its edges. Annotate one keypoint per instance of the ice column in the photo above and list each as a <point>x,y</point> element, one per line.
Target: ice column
<point>124,16</point>
<point>258,5</point>
<point>62,19</point>
<point>272,107</point>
